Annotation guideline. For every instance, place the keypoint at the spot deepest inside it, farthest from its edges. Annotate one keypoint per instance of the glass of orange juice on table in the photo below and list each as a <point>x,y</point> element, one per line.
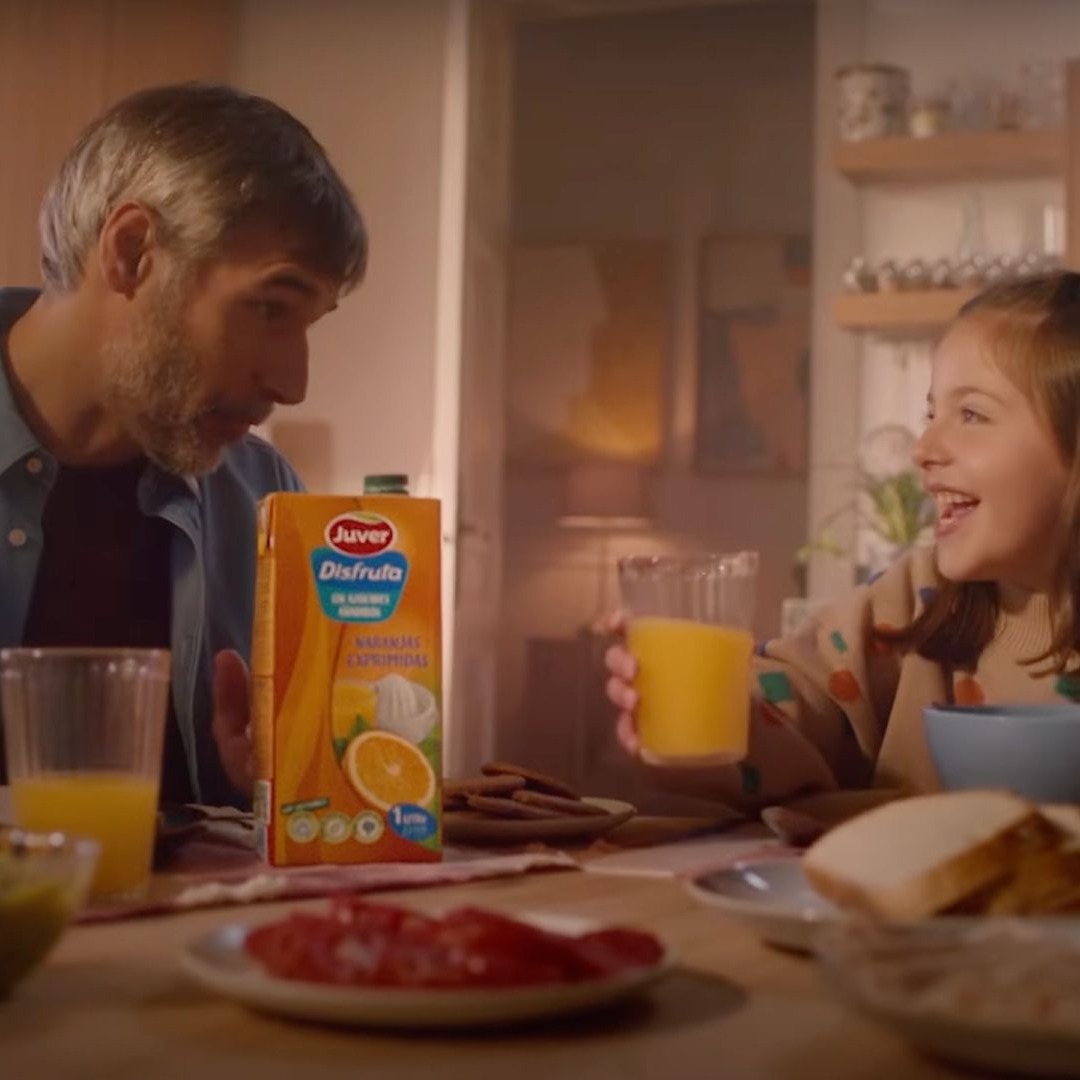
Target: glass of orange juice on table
<point>84,730</point>
<point>689,620</point>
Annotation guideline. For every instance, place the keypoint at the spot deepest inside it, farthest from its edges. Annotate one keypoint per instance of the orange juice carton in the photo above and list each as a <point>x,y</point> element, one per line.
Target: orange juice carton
<point>347,680</point>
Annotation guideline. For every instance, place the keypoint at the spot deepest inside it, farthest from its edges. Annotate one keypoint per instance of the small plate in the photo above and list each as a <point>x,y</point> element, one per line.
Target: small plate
<point>219,962</point>
<point>470,827</point>
<point>773,898</point>
<point>770,896</point>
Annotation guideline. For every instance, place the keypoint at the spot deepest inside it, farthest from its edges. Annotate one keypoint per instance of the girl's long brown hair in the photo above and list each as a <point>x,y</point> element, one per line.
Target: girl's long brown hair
<point>1033,331</point>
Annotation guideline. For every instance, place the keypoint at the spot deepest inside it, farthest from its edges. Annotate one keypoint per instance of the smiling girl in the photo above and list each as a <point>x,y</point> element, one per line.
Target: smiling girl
<point>990,613</point>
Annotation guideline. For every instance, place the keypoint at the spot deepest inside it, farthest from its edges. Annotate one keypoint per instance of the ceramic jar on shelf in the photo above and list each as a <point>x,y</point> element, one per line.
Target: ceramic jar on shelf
<point>872,101</point>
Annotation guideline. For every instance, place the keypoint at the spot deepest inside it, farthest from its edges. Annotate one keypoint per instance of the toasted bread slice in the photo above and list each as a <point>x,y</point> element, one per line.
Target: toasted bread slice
<point>1066,816</point>
<point>1042,883</point>
<point>920,856</point>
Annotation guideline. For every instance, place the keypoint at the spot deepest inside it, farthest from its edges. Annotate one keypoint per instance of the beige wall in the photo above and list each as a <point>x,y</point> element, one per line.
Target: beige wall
<point>671,125</point>
<point>368,78</point>
<point>384,87</point>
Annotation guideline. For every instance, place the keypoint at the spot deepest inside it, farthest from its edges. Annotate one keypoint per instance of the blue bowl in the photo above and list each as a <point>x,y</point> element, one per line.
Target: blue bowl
<point>1033,750</point>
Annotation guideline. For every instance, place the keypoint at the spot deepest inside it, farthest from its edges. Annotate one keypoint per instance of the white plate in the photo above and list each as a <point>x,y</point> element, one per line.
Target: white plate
<point>770,896</point>
<point>774,899</point>
<point>219,961</point>
<point>997,1018</point>
<point>1016,1051</point>
<point>470,827</point>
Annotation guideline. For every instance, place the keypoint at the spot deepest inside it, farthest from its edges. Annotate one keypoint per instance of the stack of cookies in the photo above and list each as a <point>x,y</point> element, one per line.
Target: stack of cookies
<point>513,791</point>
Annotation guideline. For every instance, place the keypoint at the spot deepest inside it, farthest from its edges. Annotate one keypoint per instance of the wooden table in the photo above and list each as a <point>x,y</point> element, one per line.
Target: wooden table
<point>111,1003</point>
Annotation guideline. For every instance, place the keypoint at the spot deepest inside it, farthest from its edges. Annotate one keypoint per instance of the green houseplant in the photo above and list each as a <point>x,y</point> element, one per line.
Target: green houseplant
<point>889,504</point>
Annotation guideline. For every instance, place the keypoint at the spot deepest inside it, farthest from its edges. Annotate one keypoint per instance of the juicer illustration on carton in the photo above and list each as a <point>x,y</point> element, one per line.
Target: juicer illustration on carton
<point>346,680</point>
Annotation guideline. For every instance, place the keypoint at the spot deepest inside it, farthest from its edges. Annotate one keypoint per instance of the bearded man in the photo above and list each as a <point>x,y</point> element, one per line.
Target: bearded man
<point>192,236</point>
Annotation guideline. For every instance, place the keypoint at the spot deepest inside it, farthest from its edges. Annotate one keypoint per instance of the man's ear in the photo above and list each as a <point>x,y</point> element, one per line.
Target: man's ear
<point>126,247</point>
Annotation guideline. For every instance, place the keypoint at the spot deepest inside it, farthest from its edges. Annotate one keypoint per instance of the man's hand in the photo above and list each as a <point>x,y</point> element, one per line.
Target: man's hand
<point>231,723</point>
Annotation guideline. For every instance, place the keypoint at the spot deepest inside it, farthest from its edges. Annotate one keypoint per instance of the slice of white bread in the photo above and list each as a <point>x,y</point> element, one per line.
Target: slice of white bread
<point>923,855</point>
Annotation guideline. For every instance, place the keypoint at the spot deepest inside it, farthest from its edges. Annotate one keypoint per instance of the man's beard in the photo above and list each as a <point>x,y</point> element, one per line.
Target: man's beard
<point>153,388</point>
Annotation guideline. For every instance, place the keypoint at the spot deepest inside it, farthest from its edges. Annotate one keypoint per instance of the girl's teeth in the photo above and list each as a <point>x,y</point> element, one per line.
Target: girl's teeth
<point>951,504</point>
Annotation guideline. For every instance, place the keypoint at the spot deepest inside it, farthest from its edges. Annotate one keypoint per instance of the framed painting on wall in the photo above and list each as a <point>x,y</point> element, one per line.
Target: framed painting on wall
<point>586,346</point>
<point>753,354</point>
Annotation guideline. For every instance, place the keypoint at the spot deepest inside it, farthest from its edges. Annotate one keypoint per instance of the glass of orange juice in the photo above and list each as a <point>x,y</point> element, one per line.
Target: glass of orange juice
<point>689,620</point>
<point>84,730</point>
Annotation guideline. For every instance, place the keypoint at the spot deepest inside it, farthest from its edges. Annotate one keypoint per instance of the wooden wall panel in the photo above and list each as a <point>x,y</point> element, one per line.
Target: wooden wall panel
<point>62,62</point>
<point>162,41</point>
<point>52,80</point>
<point>1072,164</point>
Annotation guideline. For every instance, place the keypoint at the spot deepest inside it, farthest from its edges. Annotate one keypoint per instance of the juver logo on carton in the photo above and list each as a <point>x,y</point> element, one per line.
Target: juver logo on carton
<point>357,553</point>
<point>347,678</point>
<point>360,534</point>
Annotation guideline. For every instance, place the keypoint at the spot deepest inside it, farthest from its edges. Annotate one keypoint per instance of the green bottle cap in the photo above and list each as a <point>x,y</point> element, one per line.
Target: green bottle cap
<point>387,484</point>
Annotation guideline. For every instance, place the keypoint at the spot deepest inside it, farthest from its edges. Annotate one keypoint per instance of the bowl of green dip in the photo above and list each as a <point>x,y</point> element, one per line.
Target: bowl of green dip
<point>44,878</point>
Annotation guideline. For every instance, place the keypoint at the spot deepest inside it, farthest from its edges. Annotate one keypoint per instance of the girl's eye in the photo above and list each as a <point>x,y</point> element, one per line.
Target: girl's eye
<point>970,416</point>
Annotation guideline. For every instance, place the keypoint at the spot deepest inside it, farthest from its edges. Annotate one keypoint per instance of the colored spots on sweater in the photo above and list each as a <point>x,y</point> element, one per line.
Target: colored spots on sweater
<point>876,576</point>
<point>775,686</point>
<point>1068,686</point>
<point>967,690</point>
<point>844,687</point>
<point>838,642</point>
<point>771,715</point>
<point>927,595</point>
<point>750,777</point>
<point>761,648</point>
<point>878,643</point>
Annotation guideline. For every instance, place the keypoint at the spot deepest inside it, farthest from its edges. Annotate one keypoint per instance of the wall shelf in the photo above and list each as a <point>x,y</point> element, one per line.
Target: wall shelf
<point>964,155</point>
<point>916,313</point>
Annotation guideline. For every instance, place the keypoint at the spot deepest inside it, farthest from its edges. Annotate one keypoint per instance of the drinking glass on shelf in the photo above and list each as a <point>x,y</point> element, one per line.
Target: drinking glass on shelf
<point>1042,92</point>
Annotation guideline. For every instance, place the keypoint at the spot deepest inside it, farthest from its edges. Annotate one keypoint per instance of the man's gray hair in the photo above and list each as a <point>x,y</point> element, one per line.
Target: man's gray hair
<point>206,160</point>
